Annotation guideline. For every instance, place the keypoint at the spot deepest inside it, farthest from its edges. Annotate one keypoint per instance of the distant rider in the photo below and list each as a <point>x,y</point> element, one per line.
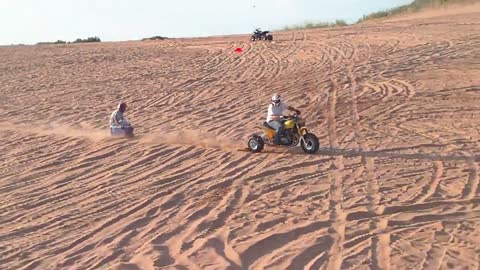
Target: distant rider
<point>275,114</point>
<point>117,120</point>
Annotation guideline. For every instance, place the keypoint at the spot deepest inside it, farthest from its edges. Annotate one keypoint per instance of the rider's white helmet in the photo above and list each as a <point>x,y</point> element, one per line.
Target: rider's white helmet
<point>276,99</point>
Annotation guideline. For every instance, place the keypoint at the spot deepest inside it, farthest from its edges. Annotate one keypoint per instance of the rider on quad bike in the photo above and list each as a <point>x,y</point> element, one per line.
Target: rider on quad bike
<point>275,115</point>
<point>119,126</point>
<point>261,35</point>
<point>283,131</point>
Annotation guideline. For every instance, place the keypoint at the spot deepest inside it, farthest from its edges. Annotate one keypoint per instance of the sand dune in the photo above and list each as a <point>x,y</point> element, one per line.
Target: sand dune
<point>395,185</point>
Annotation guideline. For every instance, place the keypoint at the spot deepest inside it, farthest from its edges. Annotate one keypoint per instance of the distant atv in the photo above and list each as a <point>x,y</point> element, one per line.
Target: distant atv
<point>261,35</point>
<point>296,132</point>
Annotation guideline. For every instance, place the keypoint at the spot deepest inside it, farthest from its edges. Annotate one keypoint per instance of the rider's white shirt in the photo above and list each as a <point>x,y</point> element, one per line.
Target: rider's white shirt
<point>276,110</point>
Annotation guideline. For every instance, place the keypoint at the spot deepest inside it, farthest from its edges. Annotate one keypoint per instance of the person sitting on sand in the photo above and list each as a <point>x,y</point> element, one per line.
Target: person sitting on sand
<point>274,115</point>
<point>117,120</point>
<point>119,126</point>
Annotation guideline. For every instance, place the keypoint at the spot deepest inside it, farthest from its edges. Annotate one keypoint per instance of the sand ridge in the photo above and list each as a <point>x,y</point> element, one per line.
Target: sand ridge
<point>395,185</point>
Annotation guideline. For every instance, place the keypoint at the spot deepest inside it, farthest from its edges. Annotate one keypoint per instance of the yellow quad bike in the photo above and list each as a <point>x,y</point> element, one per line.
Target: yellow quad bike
<point>296,133</point>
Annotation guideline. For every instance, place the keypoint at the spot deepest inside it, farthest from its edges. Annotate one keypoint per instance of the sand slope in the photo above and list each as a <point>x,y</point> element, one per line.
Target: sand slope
<point>396,185</point>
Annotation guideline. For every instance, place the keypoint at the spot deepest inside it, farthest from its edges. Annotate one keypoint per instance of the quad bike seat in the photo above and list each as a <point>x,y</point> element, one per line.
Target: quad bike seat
<point>265,124</point>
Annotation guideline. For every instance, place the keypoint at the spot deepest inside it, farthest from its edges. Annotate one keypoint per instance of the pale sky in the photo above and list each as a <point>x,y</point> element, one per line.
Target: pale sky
<point>32,21</point>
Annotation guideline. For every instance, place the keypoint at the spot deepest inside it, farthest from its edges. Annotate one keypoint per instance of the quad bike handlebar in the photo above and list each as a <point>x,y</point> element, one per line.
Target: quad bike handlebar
<point>291,116</point>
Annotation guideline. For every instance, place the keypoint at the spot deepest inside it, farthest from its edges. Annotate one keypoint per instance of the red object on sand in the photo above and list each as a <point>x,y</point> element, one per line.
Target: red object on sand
<point>239,50</point>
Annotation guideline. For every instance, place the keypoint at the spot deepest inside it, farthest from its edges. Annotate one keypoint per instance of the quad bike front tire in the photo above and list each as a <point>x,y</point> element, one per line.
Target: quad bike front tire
<point>256,144</point>
<point>253,38</point>
<point>269,37</point>
<point>310,143</point>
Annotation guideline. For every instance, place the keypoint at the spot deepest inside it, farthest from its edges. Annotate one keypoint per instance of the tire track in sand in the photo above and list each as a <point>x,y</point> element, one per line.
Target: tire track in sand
<point>431,187</point>
<point>380,245</point>
<point>337,214</point>
<point>472,187</point>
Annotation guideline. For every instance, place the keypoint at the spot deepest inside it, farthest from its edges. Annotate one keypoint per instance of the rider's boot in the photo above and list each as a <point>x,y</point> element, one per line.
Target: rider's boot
<point>277,139</point>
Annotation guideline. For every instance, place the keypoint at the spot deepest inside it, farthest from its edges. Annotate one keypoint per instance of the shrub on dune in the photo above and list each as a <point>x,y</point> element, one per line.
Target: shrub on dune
<point>154,38</point>
<point>88,40</point>
<point>413,7</point>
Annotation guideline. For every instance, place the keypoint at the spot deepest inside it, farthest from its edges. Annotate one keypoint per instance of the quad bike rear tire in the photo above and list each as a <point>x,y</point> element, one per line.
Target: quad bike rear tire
<point>310,143</point>
<point>256,144</point>
<point>269,37</point>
